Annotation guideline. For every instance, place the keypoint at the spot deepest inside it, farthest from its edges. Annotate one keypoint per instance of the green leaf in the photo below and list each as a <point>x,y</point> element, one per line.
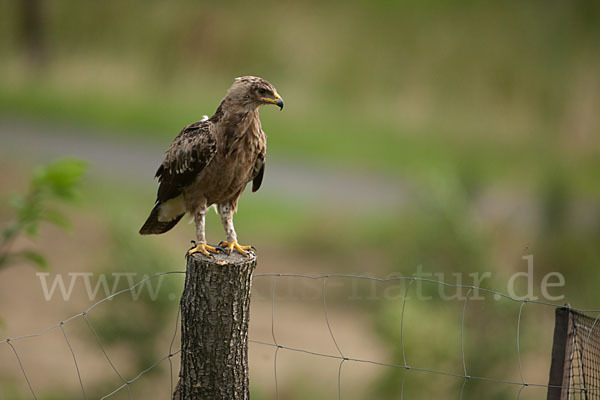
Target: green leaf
<point>57,219</point>
<point>29,211</point>
<point>62,178</point>
<point>31,229</point>
<point>9,232</point>
<point>36,258</point>
<point>17,201</point>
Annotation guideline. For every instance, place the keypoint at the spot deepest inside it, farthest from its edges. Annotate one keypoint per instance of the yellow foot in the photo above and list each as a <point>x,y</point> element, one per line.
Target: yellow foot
<point>202,248</point>
<point>230,246</point>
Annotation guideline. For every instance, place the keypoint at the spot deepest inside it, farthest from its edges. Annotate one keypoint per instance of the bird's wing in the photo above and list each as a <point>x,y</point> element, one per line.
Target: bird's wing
<point>191,151</point>
<point>258,172</point>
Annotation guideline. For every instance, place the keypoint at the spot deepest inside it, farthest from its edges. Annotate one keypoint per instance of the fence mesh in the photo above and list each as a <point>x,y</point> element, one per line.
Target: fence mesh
<point>576,372</point>
<point>583,357</point>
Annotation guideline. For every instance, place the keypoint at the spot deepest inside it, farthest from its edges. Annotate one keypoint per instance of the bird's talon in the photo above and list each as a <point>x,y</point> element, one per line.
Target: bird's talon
<point>202,248</point>
<point>234,245</point>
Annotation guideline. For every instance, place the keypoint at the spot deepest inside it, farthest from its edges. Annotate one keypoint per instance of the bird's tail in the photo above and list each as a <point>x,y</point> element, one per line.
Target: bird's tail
<point>153,226</point>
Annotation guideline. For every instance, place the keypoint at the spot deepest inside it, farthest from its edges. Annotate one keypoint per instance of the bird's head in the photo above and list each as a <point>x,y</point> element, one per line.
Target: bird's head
<point>252,92</point>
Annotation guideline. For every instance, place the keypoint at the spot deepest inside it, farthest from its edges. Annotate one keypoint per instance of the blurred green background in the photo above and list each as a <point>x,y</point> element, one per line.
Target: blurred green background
<point>456,136</point>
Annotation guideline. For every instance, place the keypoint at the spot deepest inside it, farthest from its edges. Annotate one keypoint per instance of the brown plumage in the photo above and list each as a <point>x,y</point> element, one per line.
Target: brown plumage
<point>212,161</point>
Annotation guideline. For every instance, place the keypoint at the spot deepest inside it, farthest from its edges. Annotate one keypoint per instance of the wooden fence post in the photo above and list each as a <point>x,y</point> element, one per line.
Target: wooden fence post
<point>558,384</point>
<point>215,309</point>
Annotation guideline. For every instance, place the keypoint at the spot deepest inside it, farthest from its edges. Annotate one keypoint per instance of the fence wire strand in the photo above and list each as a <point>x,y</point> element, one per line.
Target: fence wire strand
<point>462,338</point>
<point>341,356</point>
<point>171,354</point>
<point>519,342</point>
<point>83,315</point>
<point>62,328</point>
<point>8,341</point>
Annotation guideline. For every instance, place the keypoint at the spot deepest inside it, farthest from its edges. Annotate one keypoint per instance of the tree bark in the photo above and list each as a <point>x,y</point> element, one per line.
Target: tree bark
<point>215,309</point>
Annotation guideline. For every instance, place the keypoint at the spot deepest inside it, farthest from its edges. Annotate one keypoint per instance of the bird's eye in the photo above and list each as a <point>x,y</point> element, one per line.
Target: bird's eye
<point>263,91</point>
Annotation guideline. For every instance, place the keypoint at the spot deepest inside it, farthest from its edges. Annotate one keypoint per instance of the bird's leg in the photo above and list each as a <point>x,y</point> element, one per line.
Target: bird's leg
<point>226,212</point>
<point>200,245</point>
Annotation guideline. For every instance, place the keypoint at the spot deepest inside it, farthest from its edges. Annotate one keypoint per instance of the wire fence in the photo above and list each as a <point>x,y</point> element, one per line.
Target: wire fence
<point>584,366</point>
<point>84,315</point>
<point>583,357</point>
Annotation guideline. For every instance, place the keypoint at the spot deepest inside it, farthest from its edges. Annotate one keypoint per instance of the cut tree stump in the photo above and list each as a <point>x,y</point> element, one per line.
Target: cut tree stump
<point>215,309</point>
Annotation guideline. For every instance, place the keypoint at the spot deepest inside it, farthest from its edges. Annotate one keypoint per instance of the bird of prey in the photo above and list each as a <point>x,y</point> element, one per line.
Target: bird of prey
<point>210,163</point>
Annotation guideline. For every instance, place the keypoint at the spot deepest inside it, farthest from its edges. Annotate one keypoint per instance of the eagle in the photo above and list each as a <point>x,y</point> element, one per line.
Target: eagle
<point>210,163</point>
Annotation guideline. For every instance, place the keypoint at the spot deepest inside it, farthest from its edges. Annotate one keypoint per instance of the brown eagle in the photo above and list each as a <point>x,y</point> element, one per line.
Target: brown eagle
<point>211,161</point>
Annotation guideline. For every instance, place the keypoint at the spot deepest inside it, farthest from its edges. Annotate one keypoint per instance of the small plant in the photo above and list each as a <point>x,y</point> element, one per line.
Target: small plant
<point>56,182</point>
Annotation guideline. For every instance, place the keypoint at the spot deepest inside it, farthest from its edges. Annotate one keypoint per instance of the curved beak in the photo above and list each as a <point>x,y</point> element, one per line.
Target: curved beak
<point>279,103</point>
